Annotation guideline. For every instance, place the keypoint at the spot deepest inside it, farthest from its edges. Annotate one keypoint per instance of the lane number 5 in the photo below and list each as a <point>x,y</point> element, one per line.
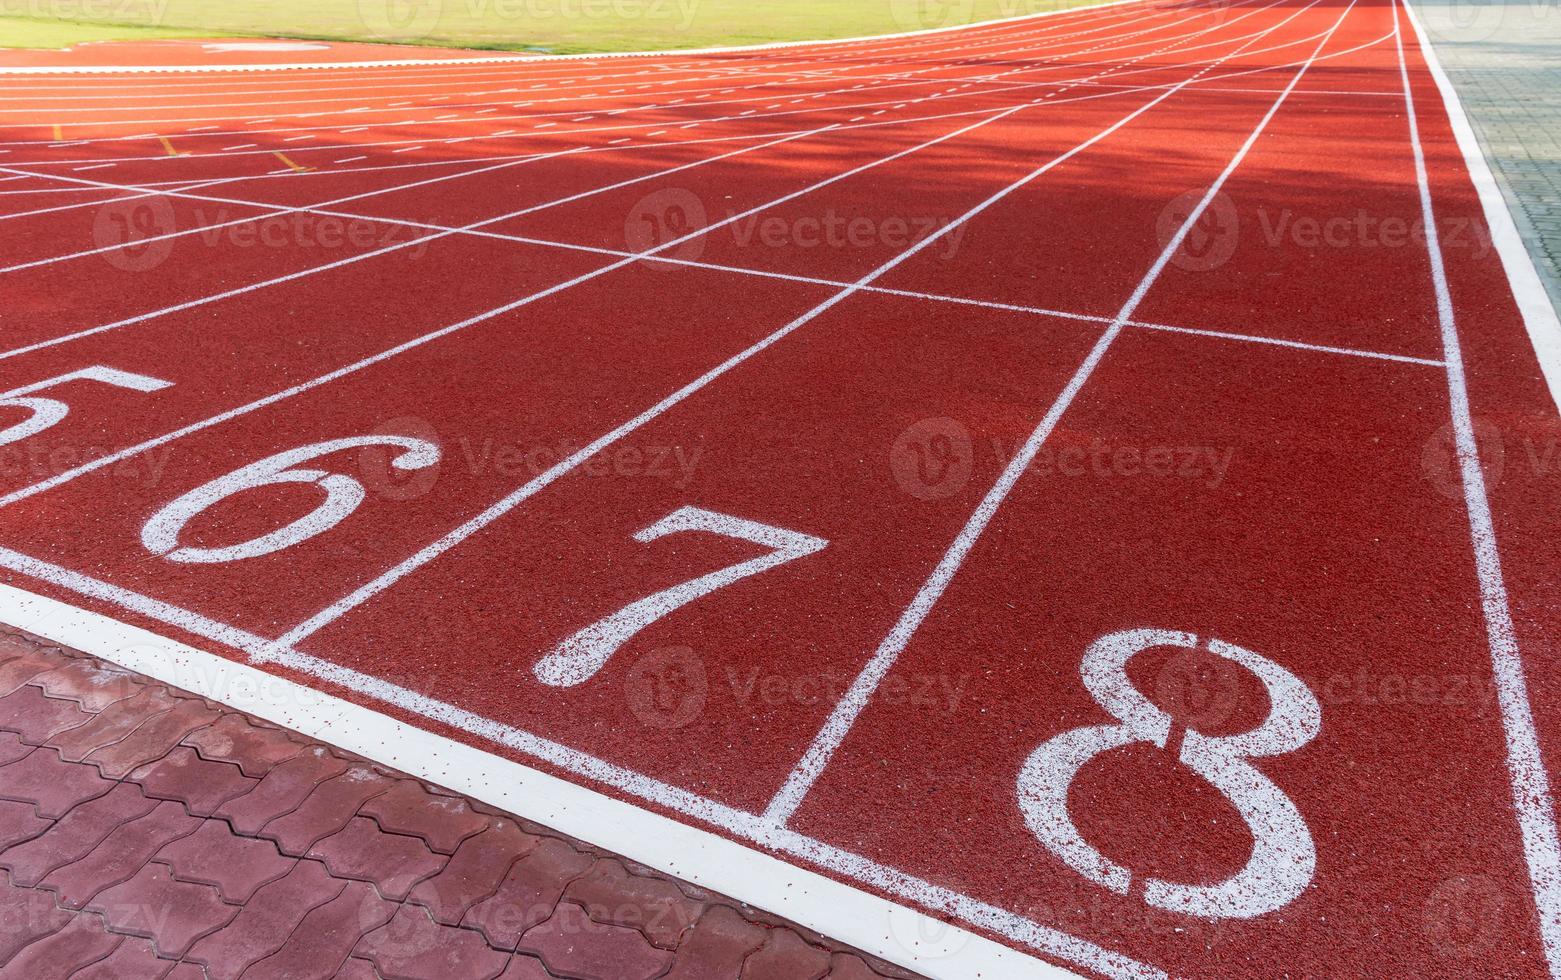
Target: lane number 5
<point>47,412</point>
<point>577,659</point>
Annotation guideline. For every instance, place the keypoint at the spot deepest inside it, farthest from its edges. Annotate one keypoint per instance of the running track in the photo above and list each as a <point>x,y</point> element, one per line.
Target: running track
<point>1088,479</point>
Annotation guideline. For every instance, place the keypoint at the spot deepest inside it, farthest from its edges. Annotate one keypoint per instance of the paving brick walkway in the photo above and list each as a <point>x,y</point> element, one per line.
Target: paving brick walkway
<point>1504,58</point>
<point>147,833</point>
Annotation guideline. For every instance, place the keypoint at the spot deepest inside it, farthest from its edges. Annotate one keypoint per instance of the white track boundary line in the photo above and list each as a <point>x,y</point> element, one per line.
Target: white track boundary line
<point>860,919</point>
<point>734,71</point>
<point>779,71</point>
<point>1055,62</point>
<point>572,80</point>
<point>1531,794</point>
<point>1539,315</point>
<point>478,232</point>
<point>533,59</point>
<point>269,211</point>
<point>383,250</point>
<point>497,510</point>
<point>188,183</point>
<point>85,468</point>
<point>426,338</point>
<point>850,707</point>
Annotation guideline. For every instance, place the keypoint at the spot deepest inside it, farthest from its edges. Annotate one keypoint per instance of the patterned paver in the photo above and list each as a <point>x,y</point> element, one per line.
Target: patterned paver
<point>148,833</point>
<point>1504,58</point>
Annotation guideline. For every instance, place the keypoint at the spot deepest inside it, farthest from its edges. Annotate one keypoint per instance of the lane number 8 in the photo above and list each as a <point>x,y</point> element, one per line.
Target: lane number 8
<point>1284,857</point>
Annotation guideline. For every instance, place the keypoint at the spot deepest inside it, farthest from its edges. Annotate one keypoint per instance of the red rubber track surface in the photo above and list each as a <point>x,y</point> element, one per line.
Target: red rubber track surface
<point>1119,319</point>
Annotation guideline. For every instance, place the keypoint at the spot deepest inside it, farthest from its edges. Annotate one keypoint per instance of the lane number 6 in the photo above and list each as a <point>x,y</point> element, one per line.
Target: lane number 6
<point>343,494</point>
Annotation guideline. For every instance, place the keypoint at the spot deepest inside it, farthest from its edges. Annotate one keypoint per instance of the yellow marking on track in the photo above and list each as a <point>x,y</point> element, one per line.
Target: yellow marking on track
<point>59,132</point>
<point>296,168</point>
<point>168,145</point>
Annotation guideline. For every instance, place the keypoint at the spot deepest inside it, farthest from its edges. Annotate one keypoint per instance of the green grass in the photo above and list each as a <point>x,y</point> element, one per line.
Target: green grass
<point>27,32</point>
<point>556,26</point>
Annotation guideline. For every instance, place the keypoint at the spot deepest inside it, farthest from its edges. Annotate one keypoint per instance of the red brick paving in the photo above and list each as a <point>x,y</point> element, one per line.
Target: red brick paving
<point>148,834</point>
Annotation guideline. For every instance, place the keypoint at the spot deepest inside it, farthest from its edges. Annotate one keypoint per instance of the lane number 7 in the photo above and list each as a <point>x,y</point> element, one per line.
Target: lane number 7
<point>577,659</point>
<point>48,412</point>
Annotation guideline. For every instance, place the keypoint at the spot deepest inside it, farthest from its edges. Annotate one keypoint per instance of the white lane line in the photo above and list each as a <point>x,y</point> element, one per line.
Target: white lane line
<point>846,711</point>
<point>150,186</point>
<point>1109,43</point>
<point>184,619</point>
<point>865,921</point>
<point>373,80</point>
<point>339,263</point>
<point>647,108</point>
<point>155,188</point>
<point>1540,317</point>
<point>110,71</point>
<point>272,211</point>
<point>884,290</point>
<point>453,538</point>
<point>76,205</point>
<point>1531,794</point>
<point>1048,65</point>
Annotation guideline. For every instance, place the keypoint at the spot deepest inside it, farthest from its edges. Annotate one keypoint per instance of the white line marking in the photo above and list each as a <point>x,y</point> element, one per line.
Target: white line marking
<point>110,70</point>
<point>883,290</point>
<point>88,467</point>
<point>66,476</point>
<point>147,185</point>
<point>1109,43</point>
<point>850,707</point>
<point>1531,793</point>
<point>270,211</point>
<point>455,537</point>
<point>896,933</point>
<point>1539,315</point>
<point>184,619</point>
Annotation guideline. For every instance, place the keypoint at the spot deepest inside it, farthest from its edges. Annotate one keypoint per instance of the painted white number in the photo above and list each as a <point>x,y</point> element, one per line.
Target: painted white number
<point>578,658</point>
<point>343,494</point>
<point>1283,856</point>
<point>48,412</point>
